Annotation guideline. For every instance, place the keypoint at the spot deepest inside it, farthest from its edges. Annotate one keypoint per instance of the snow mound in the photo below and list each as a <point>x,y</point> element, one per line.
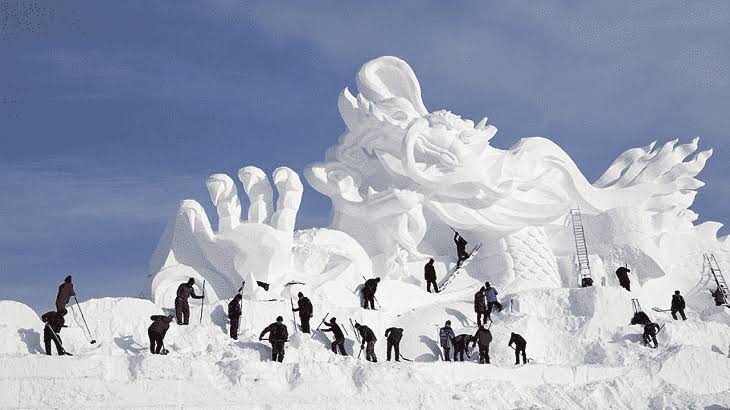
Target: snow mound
<point>19,327</point>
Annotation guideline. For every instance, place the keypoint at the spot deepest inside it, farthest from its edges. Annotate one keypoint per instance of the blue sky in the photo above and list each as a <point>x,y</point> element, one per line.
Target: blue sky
<point>113,112</point>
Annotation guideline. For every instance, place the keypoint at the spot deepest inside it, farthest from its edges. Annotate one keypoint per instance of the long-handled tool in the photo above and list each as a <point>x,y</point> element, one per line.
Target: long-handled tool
<point>408,360</point>
<point>58,340</point>
<point>84,319</point>
<point>320,325</point>
<point>202,303</point>
<point>293,316</point>
<point>529,359</point>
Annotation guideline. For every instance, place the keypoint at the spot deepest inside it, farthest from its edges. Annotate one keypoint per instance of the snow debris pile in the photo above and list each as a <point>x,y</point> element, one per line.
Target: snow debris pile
<point>401,180</point>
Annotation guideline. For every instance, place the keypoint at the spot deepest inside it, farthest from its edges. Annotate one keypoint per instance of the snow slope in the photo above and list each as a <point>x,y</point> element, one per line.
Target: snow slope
<point>585,355</point>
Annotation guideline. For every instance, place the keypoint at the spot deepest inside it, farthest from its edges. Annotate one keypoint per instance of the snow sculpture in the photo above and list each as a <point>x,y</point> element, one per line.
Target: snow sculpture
<point>257,249</point>
<point>401,175</point>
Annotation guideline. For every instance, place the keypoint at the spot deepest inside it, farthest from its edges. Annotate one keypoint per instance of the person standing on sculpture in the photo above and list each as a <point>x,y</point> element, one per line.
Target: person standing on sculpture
<point>182,308</point>
<point>429,273</point>
<point>461,253</point>
<point>622,273</point>
<point>64,295</point>
<point>678,306</point>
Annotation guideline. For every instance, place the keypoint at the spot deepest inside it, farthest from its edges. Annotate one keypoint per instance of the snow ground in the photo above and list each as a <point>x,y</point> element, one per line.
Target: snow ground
<point>585,356</point>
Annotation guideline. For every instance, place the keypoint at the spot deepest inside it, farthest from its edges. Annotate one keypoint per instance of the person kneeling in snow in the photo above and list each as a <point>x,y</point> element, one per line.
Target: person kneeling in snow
<point>484,337</point>
<point>54,323</point>
<point>367,336</point>
<point>650,332</point>
<point>157,331</point>
<point>461,345</point>
<point>278,335</point>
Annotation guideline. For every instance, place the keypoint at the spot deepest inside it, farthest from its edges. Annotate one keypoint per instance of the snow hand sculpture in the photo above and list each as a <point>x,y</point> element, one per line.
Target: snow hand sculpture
<point>259,247</point>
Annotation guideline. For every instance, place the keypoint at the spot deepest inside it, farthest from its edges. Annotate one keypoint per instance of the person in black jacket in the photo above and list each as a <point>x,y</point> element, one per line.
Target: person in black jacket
<point>182,308</point>
<point>234,315</point>
<point>429,273</point>
<point>622,273</point>
<point>461,344</point>
<point>650,331</point>
<point>65,292</point>
<point>678,305</point>
<point>157,331</point>
<point>54,322</point>
<point>446,335</point>
<point>483,337</point>
<point>461,253</point>
<point>305,311</point>
<point>480,306</point>
<point>278,335</point>
<point>333,327</point>
<point>367,336</point>
<point>393,336</point>
<point>368,292</point>
<point>520,347</point>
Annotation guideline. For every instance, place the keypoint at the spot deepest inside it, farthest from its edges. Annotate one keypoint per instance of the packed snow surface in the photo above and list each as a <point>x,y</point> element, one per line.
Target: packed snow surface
<point>401,178</point>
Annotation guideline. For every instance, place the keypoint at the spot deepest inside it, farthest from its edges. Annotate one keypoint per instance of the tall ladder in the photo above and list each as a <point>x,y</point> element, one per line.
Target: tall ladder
<point>584,267</point>
<point>717,274</point>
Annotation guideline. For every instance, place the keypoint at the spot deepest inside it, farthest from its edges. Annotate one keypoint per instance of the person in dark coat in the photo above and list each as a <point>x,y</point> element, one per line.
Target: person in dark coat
<point>182,308</point>
<point>520,347</point>
<point>367,336</point>
<point>719,296</point>
<point>650,331</point>
<point>278,335</point>
<point>339,342</point>
<point>157,331</point>
<point>234,315</point>
<point>65,292</point>
<point>54,322</point>
<point>480,305</point>
<point>483,337</point>
<point>678,305</point>
<point>429,273</point>
<point>305,310</point>
<point>622,273</point>
<point>640,318</point>
<point>446,333</point>
<point>393,336</point>
<point>461,253</point>
<point>368,292</point>
<point>461,344</point>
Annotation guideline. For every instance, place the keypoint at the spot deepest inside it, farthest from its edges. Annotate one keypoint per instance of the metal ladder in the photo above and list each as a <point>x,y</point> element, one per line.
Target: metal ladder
<point>636,305</point>
<point>584,266</point>
<point>717,274</point>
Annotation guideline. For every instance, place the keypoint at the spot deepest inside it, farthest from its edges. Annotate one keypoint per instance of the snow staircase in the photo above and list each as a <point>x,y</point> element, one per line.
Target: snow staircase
<point>584,267</point>
<point>717,274</point>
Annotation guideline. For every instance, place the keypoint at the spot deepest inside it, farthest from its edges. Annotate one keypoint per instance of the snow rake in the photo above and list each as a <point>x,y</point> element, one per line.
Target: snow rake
<point>92,341</point>
<point>202,303</point>
<point>58,340</point>
<point>320,325</point>
<point>294,316</point>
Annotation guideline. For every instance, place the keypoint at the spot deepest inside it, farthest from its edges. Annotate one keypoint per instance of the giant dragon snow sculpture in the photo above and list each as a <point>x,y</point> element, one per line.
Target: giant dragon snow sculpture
<point>400,176</point>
